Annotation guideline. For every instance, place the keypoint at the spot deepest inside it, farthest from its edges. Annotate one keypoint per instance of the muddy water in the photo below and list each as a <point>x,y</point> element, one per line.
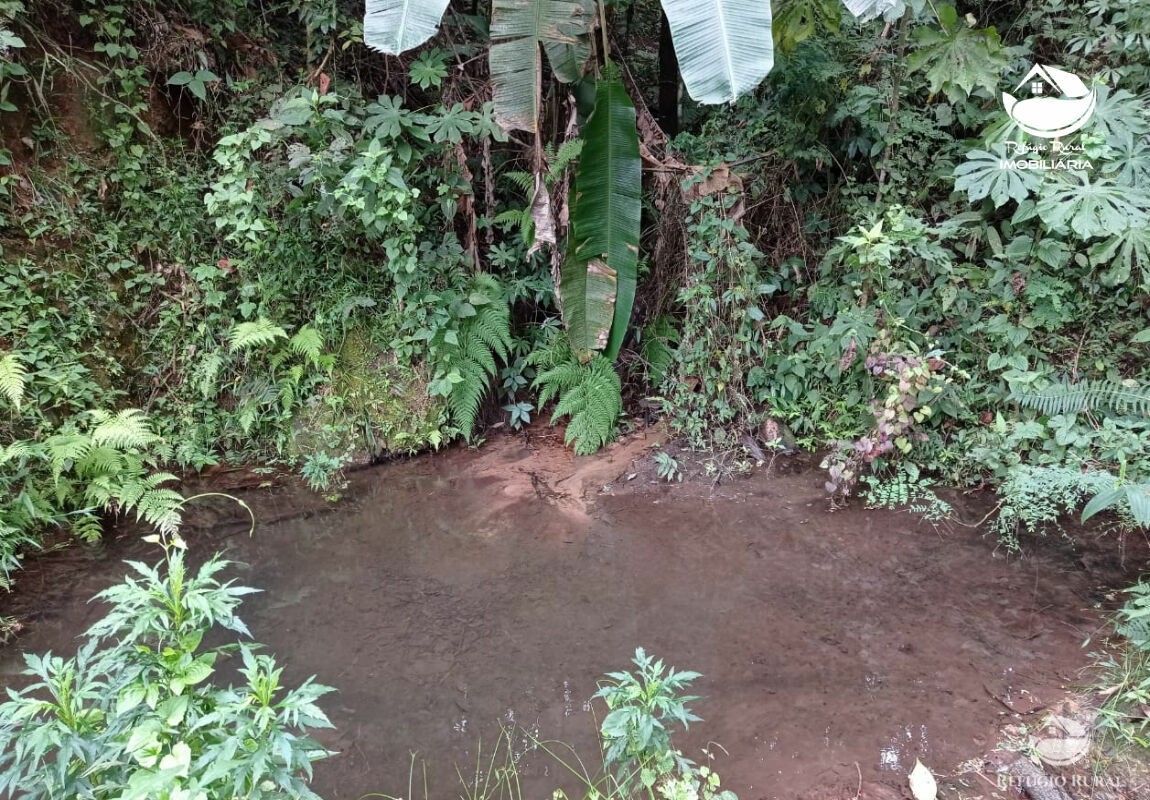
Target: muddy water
<point>447,595</point>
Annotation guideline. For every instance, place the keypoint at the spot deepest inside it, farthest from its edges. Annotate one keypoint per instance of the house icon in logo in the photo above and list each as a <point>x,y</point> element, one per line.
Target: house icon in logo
<point>1060,103</point>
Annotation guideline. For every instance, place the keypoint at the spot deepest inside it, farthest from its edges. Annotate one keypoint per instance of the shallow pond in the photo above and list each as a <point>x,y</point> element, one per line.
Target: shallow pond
<point>449,594</point>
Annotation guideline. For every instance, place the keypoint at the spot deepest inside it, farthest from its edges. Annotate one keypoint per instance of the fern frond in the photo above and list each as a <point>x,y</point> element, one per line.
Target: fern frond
<point>469,350</point>
<point>466,396</point>
<point>307,343</point>
<point>262,331</point>
<point>206,375</point>
<point>87,526</point>
<point>591,395</point>
<point>128,428</point>
<point>13,376</point>
<point>524,181</point>
<point>1075,398</point>
<point>557,380</point>
<point>569,151</point>
<point>64,450</point>
<point>17,451</point>
<point>492,326</point>
<point>160,507</point>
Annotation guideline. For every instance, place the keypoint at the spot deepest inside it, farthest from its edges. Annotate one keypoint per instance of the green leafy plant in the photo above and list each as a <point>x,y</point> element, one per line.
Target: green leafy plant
<point>590,394</point>
<point>134,714</point>
<point>13,376</point>
<point>907,489</point>
<point>668,467</point>
<point>1074,398</point>
<point>643,706</point>
<point>956,57</point>
<point>195,82</point>
<point>600,271</point>
<point>1124,679</point>
<point>465,351</point>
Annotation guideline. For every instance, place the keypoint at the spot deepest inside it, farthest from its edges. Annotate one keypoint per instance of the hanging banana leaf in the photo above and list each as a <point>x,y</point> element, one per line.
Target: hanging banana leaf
<point>392,26</point>
<point>605,218</point>
<point>568,57</point>
<point>518,28</point>
<point>588,292</point>
<point>725,47</point>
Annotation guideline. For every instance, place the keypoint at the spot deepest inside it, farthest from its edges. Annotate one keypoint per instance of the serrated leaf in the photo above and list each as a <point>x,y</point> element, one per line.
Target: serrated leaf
<point>1124,253</point>
<point>957,58</point>
<point>986,173</point>
<point>1089,209</point>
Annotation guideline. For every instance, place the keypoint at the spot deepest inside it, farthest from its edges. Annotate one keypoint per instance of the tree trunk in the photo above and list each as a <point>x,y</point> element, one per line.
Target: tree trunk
<point>668,80</point>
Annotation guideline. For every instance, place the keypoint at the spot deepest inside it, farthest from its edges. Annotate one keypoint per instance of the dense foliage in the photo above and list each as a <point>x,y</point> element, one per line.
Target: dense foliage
<point>134,714</point>
<point>233,233</point>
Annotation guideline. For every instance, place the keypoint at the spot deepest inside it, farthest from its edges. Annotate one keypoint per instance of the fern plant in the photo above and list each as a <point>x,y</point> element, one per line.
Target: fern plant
<point>97,463</point>
<point>293,365</point>
<point>260,332</point>
<point>12,379</point>
<point>590,394</point>
<point>557,160</point>
<point>111,467</point>
<point>1125,397</point>
<point>464,350</point>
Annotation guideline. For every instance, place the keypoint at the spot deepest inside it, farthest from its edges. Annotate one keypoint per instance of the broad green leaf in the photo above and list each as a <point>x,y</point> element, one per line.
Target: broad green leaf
<point>606,208</point>
<point>1130,162</point>
<point>1124,253</point>
<point>725,47</point>
<point>518,29</point>
<point>986,173</point>
<point>588,292</point>
<point>1118,116</point>
<point>957,58</point>
<point>1089,209</point>
<point>393,26</point>
<point>568,56</point>
<point>1102,501</point>
<point>796,20</point>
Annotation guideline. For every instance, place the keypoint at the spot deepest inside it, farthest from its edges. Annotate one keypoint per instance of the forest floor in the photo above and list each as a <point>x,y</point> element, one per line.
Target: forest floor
<point>449,594</point>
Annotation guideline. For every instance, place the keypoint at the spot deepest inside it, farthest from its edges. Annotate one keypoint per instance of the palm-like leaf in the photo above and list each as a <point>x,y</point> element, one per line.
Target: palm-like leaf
<point>725,47</point>
<point>392,26</point>
<point>518,29</point>
<point>605,224</point>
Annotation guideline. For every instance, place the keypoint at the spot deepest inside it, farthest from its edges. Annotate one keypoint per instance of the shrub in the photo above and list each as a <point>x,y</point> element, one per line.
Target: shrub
<point>133,715</point>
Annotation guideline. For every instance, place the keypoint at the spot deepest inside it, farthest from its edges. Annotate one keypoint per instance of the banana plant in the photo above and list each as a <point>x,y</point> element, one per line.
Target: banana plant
<point>600,271</point>
<point>519,30</point>
<point>725,48</point>
<point>392,26</point>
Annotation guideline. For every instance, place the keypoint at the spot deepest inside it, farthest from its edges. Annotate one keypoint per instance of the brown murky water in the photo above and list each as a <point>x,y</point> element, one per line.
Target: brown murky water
<point>452,593</point>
